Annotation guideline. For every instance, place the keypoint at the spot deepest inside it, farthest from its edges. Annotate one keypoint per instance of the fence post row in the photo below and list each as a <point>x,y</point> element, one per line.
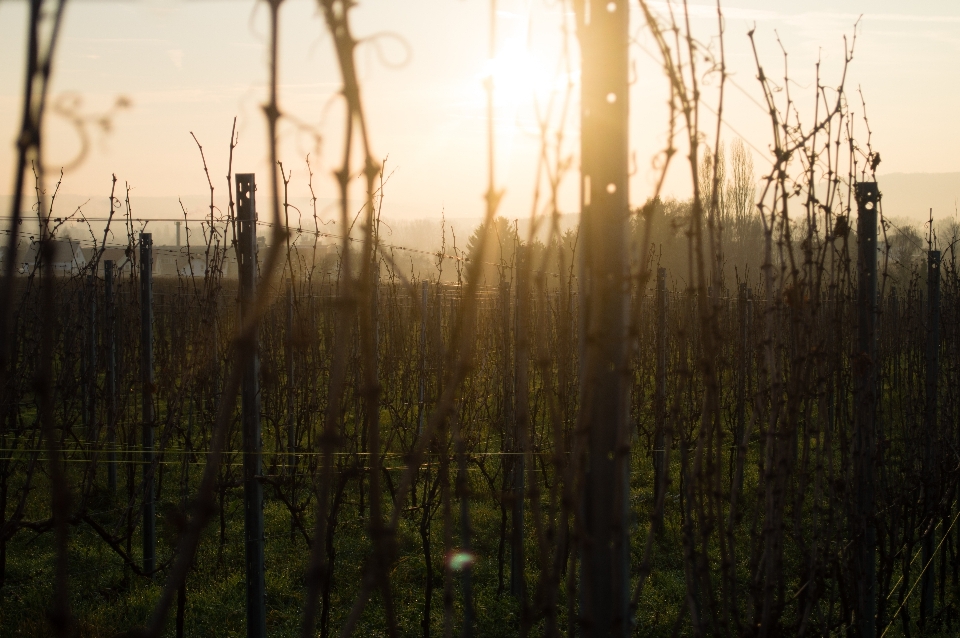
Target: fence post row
<point>865,389</point>
<point>604,37</point>
<point>149,532</point>
<point>250,399</point>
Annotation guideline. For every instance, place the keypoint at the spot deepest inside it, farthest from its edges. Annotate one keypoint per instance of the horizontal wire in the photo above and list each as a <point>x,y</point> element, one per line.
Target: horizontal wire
<point>201,251</point>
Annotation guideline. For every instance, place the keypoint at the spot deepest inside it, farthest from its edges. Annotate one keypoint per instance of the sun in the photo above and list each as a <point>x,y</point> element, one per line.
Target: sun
<point>515,75</point>
<point>521,74</point>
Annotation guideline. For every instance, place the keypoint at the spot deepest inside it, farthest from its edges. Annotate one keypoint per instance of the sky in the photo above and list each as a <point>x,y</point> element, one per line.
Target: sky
<point>191,66</point>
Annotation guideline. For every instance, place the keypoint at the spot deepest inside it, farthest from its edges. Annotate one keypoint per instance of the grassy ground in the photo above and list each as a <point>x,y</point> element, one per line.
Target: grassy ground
<point>107,598</point>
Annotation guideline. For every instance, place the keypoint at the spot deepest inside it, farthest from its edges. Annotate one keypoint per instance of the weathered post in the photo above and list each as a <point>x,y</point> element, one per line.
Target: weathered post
<point>865,388</point>
<point>603,34</point>
<point>931,432</point>
<point>149,532</point>
<point>249,346</point>
<point>660,396</point>
<point>110,347</point>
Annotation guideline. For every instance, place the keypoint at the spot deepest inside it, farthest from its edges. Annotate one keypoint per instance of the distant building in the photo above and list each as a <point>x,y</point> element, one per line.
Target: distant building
<point>67,259</point>
<point>188,266</point>
<point>3,258</point>
<point>306,260</point>
<point>123,263</point>
<point>175,261</point>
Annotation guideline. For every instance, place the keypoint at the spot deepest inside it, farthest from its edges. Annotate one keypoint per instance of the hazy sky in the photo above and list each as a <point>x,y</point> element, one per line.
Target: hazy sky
<point>194,65</point>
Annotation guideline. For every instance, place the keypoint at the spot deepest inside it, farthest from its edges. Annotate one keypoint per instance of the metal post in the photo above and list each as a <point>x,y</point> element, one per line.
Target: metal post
<point>660,396</point>
<point>466,543</point>
<point>110,336</point>
<point>288,360</point>
<point>508,418</point>
<point>149,531</point>
<point>424,290</point>
<point>931,432</point>
<point>291,411</point>
<point>865,387</point>
<point>521,413</point>
<point>250,361</point>
<point>743,371</point>
<point>90,365</point>
<point>604,161</point>
<point>184,496</point>
<point>372,421</point>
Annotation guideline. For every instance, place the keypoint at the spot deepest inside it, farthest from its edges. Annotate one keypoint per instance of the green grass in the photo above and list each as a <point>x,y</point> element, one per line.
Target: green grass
<point>107,598</point>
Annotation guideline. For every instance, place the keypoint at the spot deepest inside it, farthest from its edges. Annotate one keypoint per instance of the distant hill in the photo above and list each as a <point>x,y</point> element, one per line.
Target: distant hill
<point>912,195</point>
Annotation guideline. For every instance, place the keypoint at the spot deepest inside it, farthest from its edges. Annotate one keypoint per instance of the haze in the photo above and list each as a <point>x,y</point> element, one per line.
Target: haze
<point>192,66</point>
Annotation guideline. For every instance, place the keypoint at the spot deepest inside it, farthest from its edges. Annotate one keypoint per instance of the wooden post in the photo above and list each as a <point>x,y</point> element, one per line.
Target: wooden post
<point>149,532</point>
<point>249,347</point>
<point>604,165</point>
<point>865,388</point>
<point>931,432</point>
<point>110,337</point>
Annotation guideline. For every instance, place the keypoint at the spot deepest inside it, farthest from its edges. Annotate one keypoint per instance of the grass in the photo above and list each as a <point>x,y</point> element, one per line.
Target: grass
<point>107,598</point>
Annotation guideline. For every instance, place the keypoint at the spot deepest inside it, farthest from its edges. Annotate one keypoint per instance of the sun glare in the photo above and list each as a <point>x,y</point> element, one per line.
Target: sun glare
<point>521,73</point>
